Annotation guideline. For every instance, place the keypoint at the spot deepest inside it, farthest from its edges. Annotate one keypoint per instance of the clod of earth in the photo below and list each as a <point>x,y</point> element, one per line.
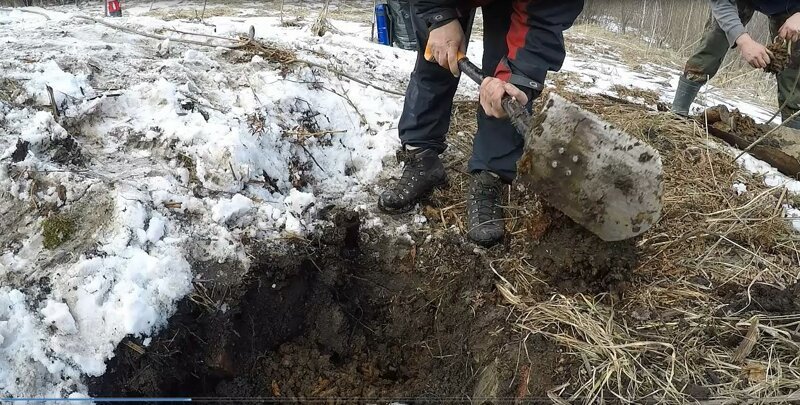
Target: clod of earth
<point>20,151</point>
<point>67,151</point>
<point>780,57</point>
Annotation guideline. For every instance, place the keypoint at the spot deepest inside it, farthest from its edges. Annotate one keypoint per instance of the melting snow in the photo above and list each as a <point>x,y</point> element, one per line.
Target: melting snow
<point>196,149</point>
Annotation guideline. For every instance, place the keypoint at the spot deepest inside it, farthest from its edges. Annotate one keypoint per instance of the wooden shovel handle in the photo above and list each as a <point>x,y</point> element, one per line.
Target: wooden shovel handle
<point>516,112</point>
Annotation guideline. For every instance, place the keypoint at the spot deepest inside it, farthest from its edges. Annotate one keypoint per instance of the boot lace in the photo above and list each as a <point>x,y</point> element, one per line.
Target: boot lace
<point>412,174</point>
<point>484,208</point>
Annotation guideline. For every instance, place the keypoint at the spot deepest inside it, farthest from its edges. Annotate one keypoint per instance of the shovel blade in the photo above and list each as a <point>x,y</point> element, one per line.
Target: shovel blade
<point>604,179</point>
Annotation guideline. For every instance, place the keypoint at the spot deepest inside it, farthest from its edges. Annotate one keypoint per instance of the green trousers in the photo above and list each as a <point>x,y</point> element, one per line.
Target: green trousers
<point>705,63</point>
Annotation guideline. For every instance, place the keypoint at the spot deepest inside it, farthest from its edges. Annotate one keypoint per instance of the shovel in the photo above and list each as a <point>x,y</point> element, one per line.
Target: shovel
<point>603,179</point>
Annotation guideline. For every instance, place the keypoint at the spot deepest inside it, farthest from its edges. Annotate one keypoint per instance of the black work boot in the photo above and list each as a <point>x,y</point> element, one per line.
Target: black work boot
<point>685,95</point>
<point>423,173</point>
<point>484,214</point>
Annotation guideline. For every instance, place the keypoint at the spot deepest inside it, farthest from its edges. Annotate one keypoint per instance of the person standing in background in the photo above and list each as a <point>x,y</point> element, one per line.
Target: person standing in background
<point>726,30</point>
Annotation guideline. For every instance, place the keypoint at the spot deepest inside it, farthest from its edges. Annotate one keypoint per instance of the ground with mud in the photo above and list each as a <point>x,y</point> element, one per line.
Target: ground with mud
<point>357,313</point>
<point>738,124</point>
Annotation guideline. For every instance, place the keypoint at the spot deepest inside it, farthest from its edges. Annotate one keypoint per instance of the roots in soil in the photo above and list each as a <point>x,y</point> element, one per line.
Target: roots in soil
<point>780,57</point>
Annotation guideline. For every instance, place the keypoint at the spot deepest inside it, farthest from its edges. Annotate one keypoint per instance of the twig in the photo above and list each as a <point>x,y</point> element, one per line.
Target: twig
<point>312,157</point>
<point>104,95</point>
<point>349,101</point>
<point>203,13</point>
<point>24,10</point>
<point>351,77</point>
<point>239,45</point>
<point>199,34</point>
<point>53,103</point>
<point>310,134</point>
<point>157,36</point>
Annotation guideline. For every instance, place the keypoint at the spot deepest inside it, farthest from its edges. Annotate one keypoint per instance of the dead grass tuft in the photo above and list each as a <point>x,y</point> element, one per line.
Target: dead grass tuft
<point>650,97</point>
<point>193,13</point>
<point>270,52</point>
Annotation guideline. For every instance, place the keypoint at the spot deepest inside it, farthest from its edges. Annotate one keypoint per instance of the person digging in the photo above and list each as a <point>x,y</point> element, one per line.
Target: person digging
<point>523,40</point>
<point>725,30</point>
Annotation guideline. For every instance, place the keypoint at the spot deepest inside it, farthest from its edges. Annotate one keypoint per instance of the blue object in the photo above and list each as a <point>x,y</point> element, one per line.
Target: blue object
<point>382,24</point>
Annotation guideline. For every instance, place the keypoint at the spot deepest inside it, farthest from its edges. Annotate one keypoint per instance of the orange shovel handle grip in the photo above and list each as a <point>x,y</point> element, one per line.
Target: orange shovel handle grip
<point>466,67</point>
<point>429,54</point>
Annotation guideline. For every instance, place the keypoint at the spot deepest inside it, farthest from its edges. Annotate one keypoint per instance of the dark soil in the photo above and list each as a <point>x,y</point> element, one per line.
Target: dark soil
<point>780,57</point>
<point>575,260</point>
<point>350,315</point>
<point>67,151</point>
<point>20,151</point>
<point>736,123</point>
<point>763,298</point>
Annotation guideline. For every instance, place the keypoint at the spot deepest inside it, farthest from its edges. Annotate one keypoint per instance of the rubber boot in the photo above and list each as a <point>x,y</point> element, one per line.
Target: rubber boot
<point>423,173</point>
<point>484,213</point>
<point>685,95</point>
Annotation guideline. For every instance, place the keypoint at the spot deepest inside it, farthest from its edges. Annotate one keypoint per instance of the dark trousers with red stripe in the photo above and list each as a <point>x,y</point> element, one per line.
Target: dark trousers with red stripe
<point>526,35</point>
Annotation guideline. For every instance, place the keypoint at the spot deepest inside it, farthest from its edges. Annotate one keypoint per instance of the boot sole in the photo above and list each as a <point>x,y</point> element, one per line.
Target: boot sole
<point>487,243</point>
<point>422,198</point>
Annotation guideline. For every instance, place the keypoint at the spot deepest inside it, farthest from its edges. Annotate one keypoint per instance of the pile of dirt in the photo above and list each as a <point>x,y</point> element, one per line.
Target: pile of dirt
<point>343,316</point>
<point>762,298</point>
<point>736,123</point>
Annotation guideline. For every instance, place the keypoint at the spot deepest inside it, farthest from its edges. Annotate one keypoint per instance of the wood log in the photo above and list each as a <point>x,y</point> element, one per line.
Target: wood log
<point>785,163</point>
<point>716,114</point>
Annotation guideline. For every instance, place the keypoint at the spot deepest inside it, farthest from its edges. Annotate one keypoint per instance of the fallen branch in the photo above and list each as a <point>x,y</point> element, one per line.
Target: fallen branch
<point>765,136</point>
<point>24,10</point>
<point>198,34</point>
<point>244,44</point>
<point>160,37</point>
<point>777,158</point>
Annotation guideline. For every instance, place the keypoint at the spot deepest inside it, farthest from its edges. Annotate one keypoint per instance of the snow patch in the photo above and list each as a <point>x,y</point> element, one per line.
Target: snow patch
<point>58,315</point>
<point>231,208</point>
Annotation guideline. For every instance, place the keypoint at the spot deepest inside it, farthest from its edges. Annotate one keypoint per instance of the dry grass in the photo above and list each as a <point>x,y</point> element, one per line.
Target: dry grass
<point>650,97</point>
<point>193,12</point>
<point>734,76</point>
<point>689,323</point>
<point>671,329</point>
